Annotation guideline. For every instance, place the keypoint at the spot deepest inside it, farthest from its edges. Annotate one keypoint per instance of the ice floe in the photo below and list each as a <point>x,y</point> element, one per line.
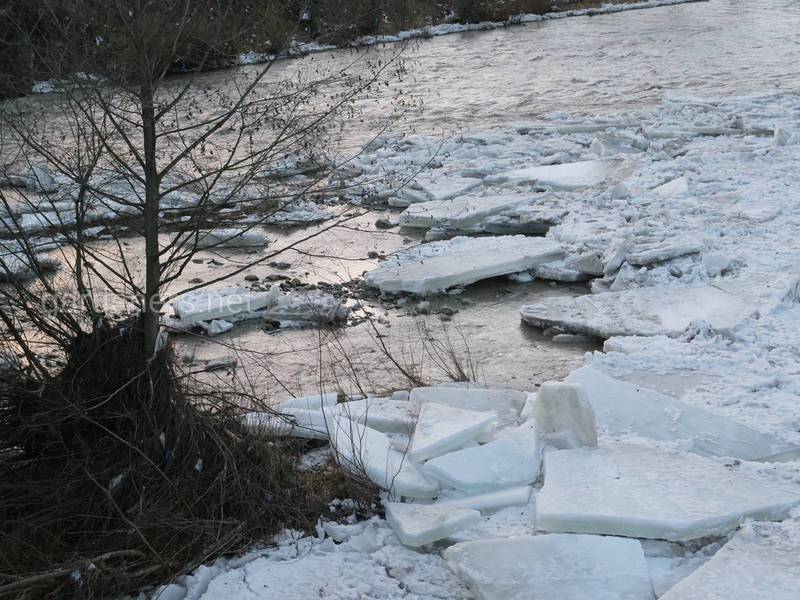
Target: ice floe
<point>570,176</point>
<point>546,567</point>
<point>229,238</point>
<point>760,563</point>
<point>365,450</point>
<point>235,304</point>
<point>641,492</point>
<point>505,404</point>
<point>489,501</point>
<point>441,428</point>
<point>651,311</point>
<point>461,213</point>
<point>435,267</point>
<point>511,460</point>
<point>622,407</point>
<point>420,524</point>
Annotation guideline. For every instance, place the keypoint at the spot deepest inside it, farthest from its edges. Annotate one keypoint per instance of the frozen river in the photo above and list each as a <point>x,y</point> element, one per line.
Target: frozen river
<point>470,81</point>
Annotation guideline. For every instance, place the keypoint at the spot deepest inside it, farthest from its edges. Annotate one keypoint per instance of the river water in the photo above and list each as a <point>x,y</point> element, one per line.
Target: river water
<point>463,82</point>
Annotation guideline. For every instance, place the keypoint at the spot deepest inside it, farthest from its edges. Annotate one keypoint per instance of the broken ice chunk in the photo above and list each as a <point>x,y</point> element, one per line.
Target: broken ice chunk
<point>570,176</point>
<point>624,407</point>
<point>420,524</point>
<point>636,491</point>
<point>363,450</point>
<point>672,188</point>
<point>759,563</point>
<point>442,428</point>
<point>229,238</point>
<point>311,402</point>
<point>510,460</point>
<point>564,415</point>
<point>435,267</point>
<point>229,303</point>
<point>383,414</point>
<point>663,310</point>
<point>460,213</point>
<point>517,496</point>
<point>505,404</point>
<point>550,567</point>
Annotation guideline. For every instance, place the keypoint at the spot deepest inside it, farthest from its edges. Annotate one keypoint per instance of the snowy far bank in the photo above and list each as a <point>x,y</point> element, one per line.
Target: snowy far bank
<point>251,58</point>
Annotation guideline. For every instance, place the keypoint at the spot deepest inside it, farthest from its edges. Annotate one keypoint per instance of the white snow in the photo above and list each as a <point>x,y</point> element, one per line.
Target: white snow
<point>441,428</point>
<point>435,267</point>
<point>622,407</point>
<point>512,459</point>
<point>550,567</point>
<point>564,415</point>
<point>420,524</point>
<point>761,562</point>
<point>636,491</point>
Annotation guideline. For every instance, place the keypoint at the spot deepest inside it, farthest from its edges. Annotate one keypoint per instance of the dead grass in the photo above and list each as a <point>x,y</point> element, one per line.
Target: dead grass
<point>114,477</point>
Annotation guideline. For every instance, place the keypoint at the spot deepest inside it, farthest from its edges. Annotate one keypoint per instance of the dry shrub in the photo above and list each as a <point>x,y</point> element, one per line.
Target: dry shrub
<point>113,477</point>
<point>476,11</point>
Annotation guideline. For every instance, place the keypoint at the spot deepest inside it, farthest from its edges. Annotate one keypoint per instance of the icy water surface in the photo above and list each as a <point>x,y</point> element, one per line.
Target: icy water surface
<point>595,64</point>
<point>475,80</point>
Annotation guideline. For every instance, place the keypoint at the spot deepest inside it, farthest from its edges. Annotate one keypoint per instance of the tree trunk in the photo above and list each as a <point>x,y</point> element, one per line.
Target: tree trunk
<point>152,300</point>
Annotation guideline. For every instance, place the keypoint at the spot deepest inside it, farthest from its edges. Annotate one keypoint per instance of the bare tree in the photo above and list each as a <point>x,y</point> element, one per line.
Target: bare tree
<point>127,141</point>
<point>105,451</point>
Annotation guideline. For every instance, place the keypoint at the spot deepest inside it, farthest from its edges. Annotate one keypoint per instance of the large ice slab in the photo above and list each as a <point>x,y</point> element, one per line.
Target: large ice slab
<point>761,562</point>
<point>238,304</point>
<point>441,428</point>
<point>292,422</point>
<point>383,414</point>
<point>460,213</point>
<point>221,303</point>
<point>570,176</point>
<point>300,308</point>
<point>420,524</point>
<point>663,311</point>
<point>366,451</point>
<point>506,404</point>
<point>434,267</point>
<point>310,402</point>
<point>635,491</point>
<point>550,567</point>
<point>622,407</point>
<point>516,496</point>
<point>229,238</point>
<point>511,460</point>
